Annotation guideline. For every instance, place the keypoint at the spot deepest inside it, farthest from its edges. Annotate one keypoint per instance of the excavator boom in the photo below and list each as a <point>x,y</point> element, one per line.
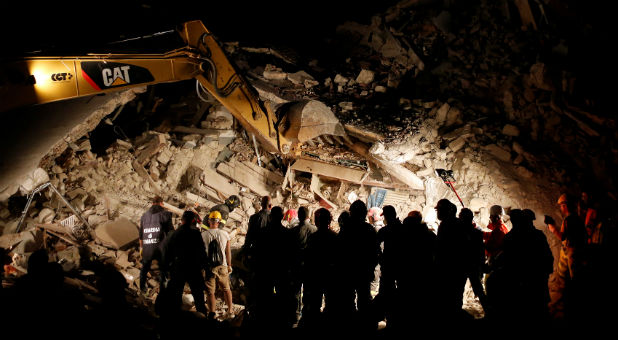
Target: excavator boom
<point>38,80</point>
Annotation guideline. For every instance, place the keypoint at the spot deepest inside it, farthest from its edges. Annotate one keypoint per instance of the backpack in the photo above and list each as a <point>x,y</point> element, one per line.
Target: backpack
<point>215,254</point>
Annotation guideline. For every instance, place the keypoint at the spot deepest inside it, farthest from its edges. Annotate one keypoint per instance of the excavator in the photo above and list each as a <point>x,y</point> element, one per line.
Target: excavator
<point>280,129</point>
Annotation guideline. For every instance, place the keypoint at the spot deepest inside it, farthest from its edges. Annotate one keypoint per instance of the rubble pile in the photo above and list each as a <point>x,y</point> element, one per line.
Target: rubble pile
<point>416,89</point>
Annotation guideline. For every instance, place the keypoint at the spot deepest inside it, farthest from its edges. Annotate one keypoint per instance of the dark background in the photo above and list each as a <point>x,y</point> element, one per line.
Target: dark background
<point>73,26</point>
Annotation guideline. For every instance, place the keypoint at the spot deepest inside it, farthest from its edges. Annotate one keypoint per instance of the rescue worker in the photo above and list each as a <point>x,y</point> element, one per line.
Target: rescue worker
<point>301,233</point>
<point>359,247</point>
<point>184,257</point>
<point>476,252</point>
<point>257,225</point>
<point>451,266</point>
<point>390,239</point>
<point>218,276</point>
<point>155,224</point>
<point>291,218</point>
<point>573,235</point>
<point>226,208</point>
<point>494,239</point>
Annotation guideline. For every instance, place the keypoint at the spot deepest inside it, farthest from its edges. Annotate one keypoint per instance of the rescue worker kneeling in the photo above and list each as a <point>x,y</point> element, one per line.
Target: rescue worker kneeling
<point>217,244</point>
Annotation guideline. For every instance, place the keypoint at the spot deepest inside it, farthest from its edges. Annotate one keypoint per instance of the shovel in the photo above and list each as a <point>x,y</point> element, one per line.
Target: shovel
<point>447,177</point>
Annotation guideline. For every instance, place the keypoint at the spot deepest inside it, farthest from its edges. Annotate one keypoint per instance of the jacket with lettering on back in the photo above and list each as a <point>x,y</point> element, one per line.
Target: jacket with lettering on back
<point>155,224</point>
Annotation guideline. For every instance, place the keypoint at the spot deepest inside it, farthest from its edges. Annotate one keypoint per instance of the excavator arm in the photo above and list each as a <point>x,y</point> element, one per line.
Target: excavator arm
<point>38,80</point>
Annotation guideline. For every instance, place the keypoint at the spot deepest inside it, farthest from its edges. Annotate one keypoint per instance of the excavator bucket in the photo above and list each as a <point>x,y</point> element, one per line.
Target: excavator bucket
<point>304,120</point>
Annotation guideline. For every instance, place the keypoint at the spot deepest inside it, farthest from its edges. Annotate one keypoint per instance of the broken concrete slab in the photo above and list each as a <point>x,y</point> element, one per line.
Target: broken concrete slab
<point>245,176</point>
<point>362,134</point>
<point>457,144</point>
<point>401,173</point>
<point>340,80</point>
<point>33,180</point>
<point>299,77</point>
<point>315,187</point>
<point>24,242</point>
<point>365,77</point>
<point>152,147</point>
<point>273,73</point>
<point>46,215</point>
<point>498,152</point>
<point>442,113</point>
<point>118,234</point>
<point>510,130</point>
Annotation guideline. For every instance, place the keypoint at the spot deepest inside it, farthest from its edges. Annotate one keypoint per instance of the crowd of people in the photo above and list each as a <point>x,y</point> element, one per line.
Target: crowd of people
<point>304,277</point>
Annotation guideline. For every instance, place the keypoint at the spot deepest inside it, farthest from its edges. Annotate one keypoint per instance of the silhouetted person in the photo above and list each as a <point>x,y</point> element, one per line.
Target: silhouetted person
<point>573,235</point>
<point>184,257</point>
<point>417,284</point>
<point>301,233</point>
<point>343,220</point>
<point>476,253</point>
<point>450,261</point>
<point>274,258</point>
<point>321,258</point>
<point>155,224</point>
<point>390,239</point>
<point>257,225</point>
<point>359,259</point>
<point>40,300</point>
<point>528,259</point>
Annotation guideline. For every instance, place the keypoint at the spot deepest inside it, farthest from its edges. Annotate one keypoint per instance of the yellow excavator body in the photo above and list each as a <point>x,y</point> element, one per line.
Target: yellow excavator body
<point>38,80</point>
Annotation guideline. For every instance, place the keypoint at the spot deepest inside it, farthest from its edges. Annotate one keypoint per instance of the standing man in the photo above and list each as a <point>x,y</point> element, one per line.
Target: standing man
<point>475,255</point>
<point>494,239</point>
<point>184,256</point>
<point>390,239</point>
<point>155,224</point>
<point>573,235</point>
<point>257,226</point>
<point>219,273</point>
<point>257,223</point>
<point>450,260</point>
<point>301,233</point>
<point>359,245</point>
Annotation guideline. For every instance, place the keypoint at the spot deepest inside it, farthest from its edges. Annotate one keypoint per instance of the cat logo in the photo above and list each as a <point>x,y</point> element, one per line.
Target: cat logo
<point>116,76</point>
<point>105,75</point>
<point>61,76</point>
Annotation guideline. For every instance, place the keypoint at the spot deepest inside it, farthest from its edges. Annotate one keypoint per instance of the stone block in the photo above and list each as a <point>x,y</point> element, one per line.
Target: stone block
<point>118,234</point>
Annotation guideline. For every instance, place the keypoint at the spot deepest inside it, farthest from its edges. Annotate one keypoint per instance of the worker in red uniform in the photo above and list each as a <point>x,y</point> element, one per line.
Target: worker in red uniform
<point>494,239</point>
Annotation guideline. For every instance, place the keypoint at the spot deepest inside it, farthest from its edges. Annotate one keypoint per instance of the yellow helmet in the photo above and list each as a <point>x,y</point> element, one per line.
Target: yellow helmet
<point>215,215</point>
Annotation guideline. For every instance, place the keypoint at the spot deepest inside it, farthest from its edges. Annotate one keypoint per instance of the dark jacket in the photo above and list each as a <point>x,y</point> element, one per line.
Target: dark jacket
<point>257,224</point>
<point>391,253</point>
<point>155,224</point>
<point>451,244</point>
<point>302,232</point>
<point>360,250</point>
<point>184,251</point>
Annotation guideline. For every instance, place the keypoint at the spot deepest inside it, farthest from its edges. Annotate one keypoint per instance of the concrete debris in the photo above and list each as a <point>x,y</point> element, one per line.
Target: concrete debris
<point>498,152</point>
<point>341,80</point>
<point>510,130</point>
<point>299,77</point>
<point>117,234</point>
<point>365,77</point>
<point>46,215</point>
<point>33,180</point>
<point>274,73</point>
